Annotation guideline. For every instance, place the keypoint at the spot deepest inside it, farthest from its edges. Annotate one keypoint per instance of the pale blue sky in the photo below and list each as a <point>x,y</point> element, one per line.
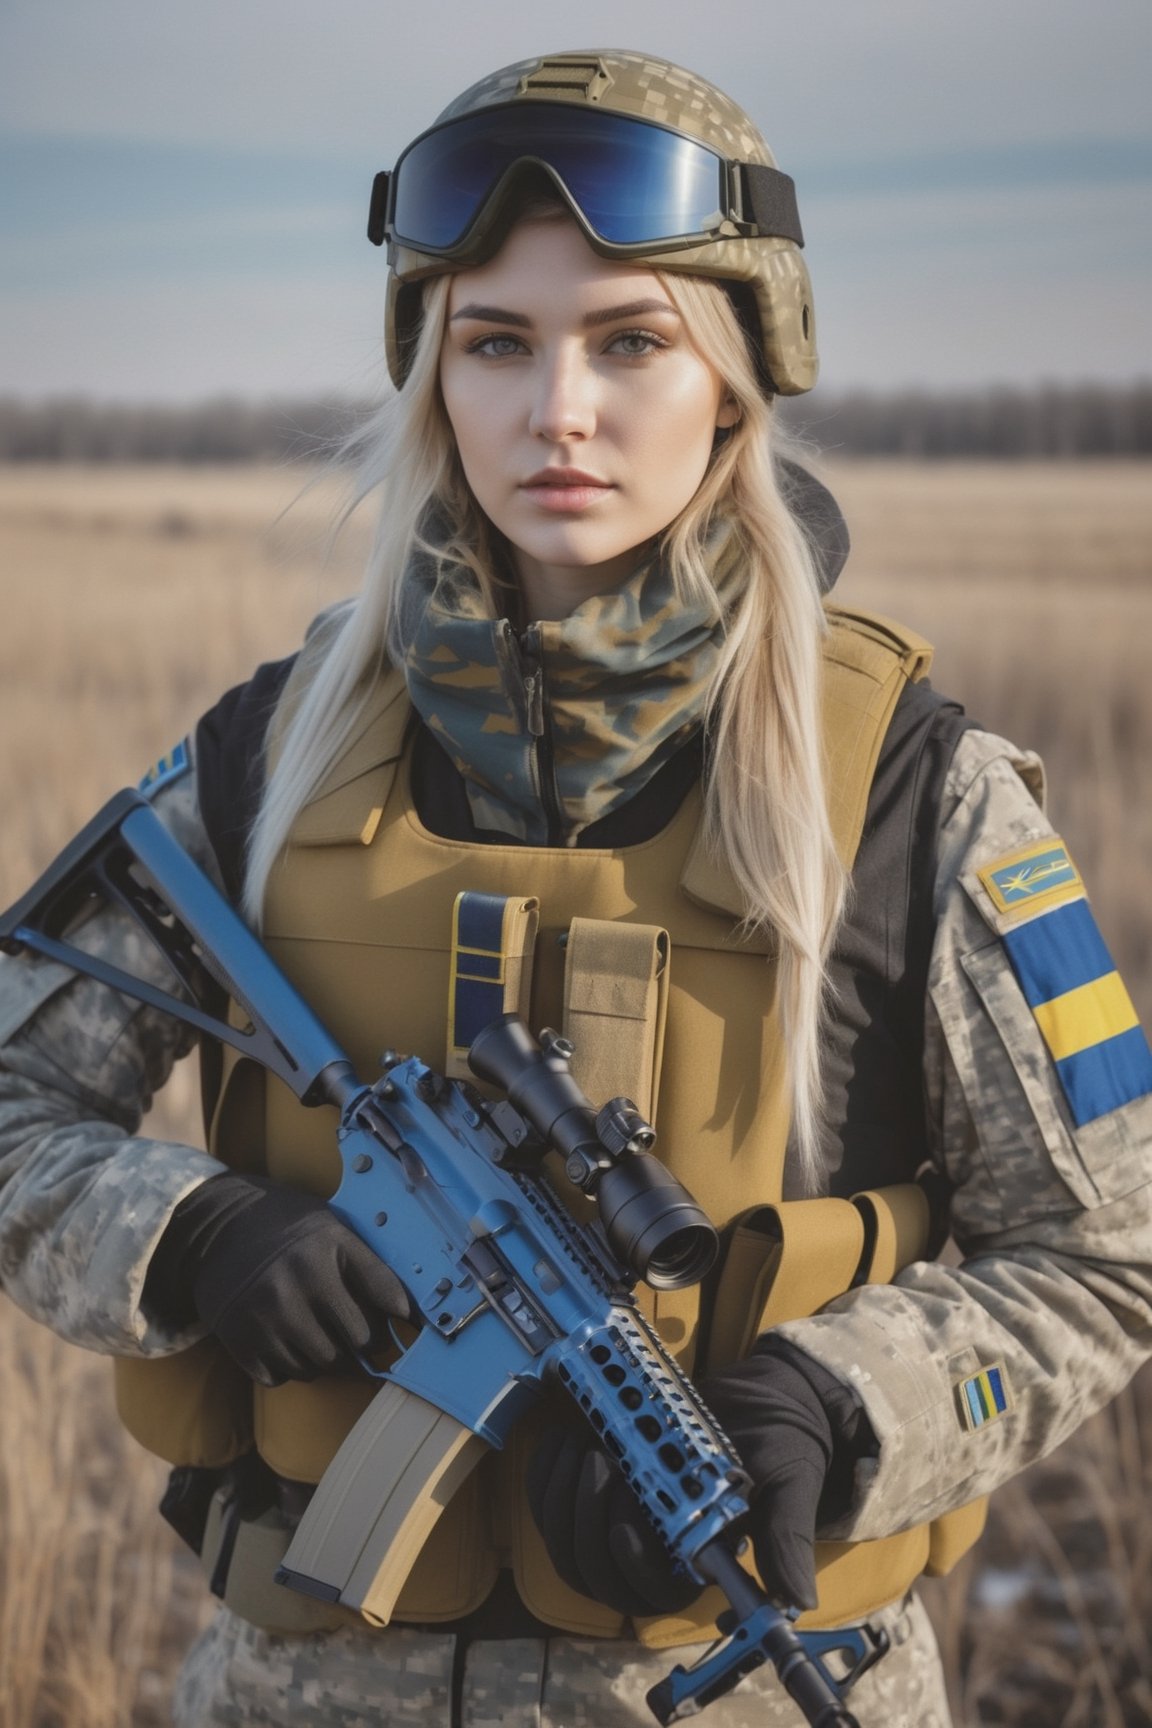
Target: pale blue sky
<point>183,186</point>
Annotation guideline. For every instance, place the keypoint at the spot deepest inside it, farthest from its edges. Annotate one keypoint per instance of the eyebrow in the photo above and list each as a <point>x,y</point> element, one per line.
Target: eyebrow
<point>608,315</point>
<point>634,309</point>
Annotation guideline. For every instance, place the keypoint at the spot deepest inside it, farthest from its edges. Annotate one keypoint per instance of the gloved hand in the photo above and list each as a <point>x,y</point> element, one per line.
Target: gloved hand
<point>597,1537</point>
<point>798,1431</point>
<point>288,1289</point>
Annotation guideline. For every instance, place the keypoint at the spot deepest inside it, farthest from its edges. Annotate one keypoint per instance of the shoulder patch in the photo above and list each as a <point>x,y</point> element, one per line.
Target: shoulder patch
<point>169,768</point>
<point>1039,875</point>
<point>1082,1008</point>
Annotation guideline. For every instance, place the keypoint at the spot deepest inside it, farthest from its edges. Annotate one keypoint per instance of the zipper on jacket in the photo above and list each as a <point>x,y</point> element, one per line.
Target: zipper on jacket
<point>531,663</point>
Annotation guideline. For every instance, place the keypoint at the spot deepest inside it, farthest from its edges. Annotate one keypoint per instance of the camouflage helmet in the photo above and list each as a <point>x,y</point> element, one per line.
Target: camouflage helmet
<point>759,259</point>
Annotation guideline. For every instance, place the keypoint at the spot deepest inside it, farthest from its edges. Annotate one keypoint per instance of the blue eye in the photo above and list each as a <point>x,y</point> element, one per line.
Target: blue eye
<point>637,344</point>
<point>495,346</point>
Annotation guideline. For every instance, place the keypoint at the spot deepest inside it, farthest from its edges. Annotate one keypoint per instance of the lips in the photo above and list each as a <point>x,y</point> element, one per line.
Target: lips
<point>547,479</point>
<point>565,491</point>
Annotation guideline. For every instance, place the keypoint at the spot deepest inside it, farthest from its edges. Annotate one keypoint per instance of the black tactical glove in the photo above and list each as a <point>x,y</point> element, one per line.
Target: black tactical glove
<point>798,1431</point>
<point>287,1288</point>
<point>597,1537</point>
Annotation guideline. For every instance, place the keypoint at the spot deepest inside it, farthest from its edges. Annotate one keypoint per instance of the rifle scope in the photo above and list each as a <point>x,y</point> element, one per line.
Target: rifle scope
<point>653,1224</point>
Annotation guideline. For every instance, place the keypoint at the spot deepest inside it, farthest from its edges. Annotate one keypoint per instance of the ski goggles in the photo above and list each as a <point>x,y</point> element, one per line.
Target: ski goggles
<point>633,185</point>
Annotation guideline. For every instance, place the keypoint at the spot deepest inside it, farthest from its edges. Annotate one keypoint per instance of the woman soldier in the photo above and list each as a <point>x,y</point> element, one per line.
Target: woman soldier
<point>788,898</point>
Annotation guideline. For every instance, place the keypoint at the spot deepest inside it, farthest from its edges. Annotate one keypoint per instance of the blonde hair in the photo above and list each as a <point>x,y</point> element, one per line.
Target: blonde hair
<point>765,801</point>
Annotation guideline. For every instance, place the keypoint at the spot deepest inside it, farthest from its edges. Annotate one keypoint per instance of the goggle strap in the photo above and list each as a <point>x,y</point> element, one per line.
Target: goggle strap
<point>378,209</point>
<point>769,200</point>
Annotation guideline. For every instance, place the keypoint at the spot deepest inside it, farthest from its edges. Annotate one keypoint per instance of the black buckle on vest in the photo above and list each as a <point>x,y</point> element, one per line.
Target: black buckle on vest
<point>246,1489</point>
<point>187,1500</point>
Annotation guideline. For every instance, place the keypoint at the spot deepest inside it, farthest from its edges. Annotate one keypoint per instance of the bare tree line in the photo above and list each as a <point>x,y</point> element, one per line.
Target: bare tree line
<point>1049,421</point>
<point>222,429</point>
<point>1046,422</point>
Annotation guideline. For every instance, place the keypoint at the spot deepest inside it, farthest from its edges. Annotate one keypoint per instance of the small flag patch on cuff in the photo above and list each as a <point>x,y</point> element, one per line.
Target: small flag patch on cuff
<point>168,768</point>
<point>982,1397</point>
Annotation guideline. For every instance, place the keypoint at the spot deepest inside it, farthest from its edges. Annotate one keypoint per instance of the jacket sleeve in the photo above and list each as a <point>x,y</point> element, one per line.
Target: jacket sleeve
<point>1049,1163</point>
<point>83,1200</point>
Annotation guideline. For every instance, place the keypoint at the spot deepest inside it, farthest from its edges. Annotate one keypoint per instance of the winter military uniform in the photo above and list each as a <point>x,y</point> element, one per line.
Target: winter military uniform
<point>966,1374</point>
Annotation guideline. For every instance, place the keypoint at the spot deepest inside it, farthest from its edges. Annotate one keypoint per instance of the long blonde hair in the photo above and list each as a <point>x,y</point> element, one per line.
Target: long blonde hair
<point>765,801</point>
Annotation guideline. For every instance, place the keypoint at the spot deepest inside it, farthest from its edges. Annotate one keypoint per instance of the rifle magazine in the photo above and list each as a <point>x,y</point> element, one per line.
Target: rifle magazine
<point>379,1501</point>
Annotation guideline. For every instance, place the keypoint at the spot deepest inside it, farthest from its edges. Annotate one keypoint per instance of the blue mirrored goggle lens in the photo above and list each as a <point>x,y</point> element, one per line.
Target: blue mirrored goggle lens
<point>632,182</point>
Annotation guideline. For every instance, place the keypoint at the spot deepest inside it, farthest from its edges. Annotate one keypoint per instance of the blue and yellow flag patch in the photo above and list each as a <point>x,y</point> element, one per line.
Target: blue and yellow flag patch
<point>983,1397</point>
<point>1069,980</point>
<point>169,768</point>
<point>1041,874</point>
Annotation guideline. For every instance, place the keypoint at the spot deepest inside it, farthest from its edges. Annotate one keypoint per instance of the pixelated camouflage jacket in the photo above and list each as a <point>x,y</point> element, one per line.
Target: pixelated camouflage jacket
<point>1051,1206</point>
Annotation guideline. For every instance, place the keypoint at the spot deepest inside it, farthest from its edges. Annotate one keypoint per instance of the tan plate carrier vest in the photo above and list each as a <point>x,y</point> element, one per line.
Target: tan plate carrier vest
<point>359,916</point>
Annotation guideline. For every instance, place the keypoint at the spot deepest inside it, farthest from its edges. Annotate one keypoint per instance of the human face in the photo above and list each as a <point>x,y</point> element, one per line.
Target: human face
<point>583,415</point>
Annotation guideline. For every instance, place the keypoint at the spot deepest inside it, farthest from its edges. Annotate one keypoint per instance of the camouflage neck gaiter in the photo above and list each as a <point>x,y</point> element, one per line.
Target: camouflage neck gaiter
<point>554,727</point>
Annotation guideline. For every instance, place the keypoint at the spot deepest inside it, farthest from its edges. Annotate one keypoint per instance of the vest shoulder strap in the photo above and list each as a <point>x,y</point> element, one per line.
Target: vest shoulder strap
<point>360,779</point>
<point>868,661</point>
<point>318,639</point>
<point>868,642</point>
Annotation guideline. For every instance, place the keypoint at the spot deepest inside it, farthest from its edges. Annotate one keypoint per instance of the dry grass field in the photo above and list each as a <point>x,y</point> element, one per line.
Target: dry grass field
<point>131,598</point>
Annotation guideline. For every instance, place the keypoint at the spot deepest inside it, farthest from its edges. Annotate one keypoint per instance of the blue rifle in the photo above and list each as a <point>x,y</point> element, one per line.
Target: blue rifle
<point>513,1294</point>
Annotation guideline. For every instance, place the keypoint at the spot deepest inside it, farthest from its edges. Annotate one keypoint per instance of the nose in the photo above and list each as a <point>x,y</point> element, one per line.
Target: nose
<point>564,397</point>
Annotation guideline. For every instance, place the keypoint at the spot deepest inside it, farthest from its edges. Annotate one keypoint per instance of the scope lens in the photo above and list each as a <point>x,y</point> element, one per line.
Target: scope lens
<point>654,1225</point>
<point>682,1258</point>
